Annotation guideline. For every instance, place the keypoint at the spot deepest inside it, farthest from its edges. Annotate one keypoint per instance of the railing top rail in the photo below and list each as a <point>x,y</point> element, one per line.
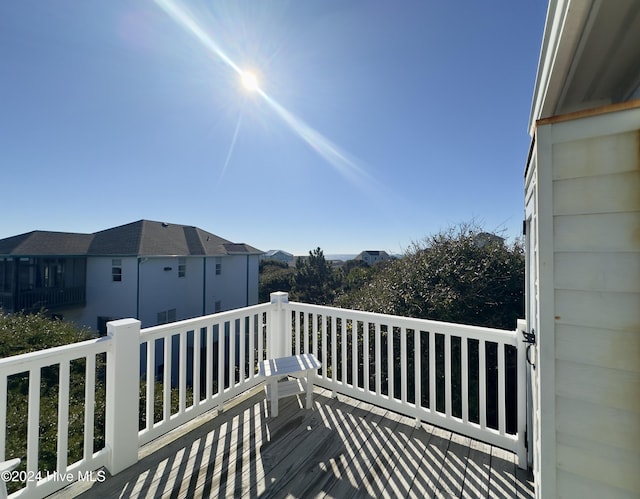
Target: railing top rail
<point>463,330</point>
<point>162,330</point>
<point>54,355</point>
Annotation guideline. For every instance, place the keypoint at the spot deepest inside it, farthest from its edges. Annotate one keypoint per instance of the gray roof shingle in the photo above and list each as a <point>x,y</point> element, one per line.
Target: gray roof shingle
<point>39,242</point>
<point>144,237</point>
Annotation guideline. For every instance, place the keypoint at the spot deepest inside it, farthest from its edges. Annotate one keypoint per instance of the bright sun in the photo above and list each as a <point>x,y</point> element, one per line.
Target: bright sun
<point>250,81</point>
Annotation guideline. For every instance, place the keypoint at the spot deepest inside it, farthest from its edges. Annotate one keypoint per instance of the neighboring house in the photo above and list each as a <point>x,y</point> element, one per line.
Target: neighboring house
<point>370,257</point>
<point>483,239</point>
<point>582,196</point>
<point>279,255</point>
<point>153,271</point>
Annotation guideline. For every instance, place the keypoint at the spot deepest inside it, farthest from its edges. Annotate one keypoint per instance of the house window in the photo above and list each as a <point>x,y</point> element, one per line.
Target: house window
<point>217,306</point>
<point>218,265</point>
<point>167,316</point>
<point>182,267</point>
<point>116,270</point>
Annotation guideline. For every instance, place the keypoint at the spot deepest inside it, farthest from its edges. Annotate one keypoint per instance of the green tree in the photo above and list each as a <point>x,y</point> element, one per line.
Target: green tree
<point>315,280</point>
<point>355,273</point>
<point>23,333</point>
<point>273,276</point>
<point>462,275</point>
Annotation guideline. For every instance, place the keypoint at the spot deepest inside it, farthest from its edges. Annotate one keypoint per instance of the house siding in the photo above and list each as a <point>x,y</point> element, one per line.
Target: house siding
<point>595,191</point>
<point>106,298</point>
<point>162,290</point>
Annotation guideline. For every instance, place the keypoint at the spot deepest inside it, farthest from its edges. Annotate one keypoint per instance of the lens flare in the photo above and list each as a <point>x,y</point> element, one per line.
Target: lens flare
<point>231,148</point>
<point>331,153</point>
<point>250,81</point>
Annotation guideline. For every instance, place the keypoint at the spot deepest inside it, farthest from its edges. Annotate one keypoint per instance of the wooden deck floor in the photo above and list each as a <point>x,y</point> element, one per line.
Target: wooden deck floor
<point>341,448</point>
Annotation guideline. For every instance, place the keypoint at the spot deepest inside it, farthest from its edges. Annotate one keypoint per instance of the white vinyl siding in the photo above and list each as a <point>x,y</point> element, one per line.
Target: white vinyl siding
<point>595,199</point>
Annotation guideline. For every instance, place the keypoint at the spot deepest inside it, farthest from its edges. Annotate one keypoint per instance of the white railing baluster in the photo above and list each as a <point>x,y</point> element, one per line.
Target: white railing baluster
<point>232,355</point>
<point>323,360</point>
<point>464,378</point>
<point>378,357</point>
<point>306,333</point>
<point>89,405</point>
<point>314,335</point>
<point>482,383</point>
<point>197,334</point>
<point>334,351</point>
<point>33,423</point>
<point>209,342</point>
<point>167,380</point>
<point>417,372</point>
<point>63,416</point>
<point>343,349</point>
<point>432,371</point>
<point>390,363</point>
<point>221,349</point>
<point>354,353</point>
<point>365,357</point>
<point>182,372</point>
<point>296,326</point>
<point>447,375</point>
<point>150,389</point>
<point>502,366</point>
<point>260,337</point>
<point>403,365</point>
<point>252,346</point>
<point>243,355</point>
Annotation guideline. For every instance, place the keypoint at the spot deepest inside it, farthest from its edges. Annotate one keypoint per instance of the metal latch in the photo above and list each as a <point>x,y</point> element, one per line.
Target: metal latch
<point>529,337</point>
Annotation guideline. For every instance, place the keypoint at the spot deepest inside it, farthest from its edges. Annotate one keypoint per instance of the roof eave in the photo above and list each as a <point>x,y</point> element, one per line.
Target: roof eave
<point>563,30</point>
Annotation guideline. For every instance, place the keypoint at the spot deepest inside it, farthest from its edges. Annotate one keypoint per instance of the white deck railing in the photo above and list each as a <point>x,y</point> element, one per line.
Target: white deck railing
<point>451,375</point>
<point>39,482</point>
<point>230,345</point>
<point>459,377</point>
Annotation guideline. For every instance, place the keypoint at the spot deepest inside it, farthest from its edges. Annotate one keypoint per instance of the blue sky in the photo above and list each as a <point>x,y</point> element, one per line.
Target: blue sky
<point>376,123</point>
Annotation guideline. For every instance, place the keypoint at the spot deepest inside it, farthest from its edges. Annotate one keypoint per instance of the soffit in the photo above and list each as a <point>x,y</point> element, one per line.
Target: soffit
<point>590,57</point>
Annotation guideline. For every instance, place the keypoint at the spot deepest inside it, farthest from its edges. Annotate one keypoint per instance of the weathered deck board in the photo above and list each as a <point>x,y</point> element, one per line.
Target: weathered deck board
<point>341,448</point>
<point>476,478</point>
<point>454,467</point>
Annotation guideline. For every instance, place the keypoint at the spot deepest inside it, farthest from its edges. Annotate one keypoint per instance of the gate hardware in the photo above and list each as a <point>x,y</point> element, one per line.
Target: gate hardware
<point>529,337</point>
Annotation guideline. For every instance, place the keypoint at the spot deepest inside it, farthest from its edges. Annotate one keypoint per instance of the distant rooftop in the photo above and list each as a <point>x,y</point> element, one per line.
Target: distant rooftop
<point>144,237</point>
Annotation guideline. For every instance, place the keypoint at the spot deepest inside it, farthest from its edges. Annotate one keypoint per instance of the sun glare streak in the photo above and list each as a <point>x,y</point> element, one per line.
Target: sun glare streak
<point>318,142</point>
<point>231,148</point>
<point>182,18</point>
<point>322,145</point>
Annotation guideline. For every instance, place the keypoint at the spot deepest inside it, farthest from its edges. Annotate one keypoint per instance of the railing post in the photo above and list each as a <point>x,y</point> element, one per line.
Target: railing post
<point>521,397</point>
<point>123,392</point>
<point>279,337</point>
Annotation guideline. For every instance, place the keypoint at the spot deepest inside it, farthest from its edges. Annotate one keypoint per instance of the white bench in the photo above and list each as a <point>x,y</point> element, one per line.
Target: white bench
<point>5,469</point>
<point>273,369</point>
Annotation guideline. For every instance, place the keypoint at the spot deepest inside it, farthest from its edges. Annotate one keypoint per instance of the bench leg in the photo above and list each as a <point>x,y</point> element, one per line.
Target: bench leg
<point>274,397</point>
<point>309,391</point>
